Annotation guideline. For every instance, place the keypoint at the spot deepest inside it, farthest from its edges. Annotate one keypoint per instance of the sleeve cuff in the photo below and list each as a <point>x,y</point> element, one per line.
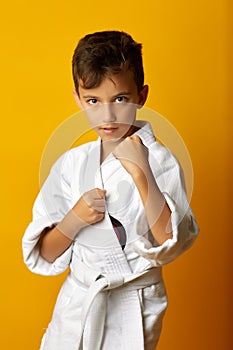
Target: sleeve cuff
<point>184,229</point>
<point>31,254</point>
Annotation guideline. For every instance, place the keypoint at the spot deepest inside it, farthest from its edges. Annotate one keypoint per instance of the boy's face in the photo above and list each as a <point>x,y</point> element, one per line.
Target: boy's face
<point>111,106</point>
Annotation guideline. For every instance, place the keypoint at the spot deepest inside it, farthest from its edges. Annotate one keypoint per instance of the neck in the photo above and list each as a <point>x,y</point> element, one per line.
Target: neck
<point>107,147</point>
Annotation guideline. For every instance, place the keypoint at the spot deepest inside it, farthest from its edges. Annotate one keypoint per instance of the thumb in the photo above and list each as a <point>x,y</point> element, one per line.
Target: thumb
<point>100,192</point>
<point>135,138</point>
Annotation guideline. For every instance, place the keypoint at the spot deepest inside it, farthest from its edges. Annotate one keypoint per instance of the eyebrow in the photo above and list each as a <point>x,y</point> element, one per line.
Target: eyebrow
<point>119,94</point>
<point>90,96</point>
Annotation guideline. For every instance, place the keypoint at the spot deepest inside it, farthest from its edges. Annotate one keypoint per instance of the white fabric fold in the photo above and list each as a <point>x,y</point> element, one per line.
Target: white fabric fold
<point>98,284</point>
<point>184,229</point>
<point>141,310</point>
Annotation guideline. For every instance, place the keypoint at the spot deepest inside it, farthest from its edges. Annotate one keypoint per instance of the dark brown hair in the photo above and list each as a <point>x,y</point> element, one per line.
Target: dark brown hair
<point>106,53</point>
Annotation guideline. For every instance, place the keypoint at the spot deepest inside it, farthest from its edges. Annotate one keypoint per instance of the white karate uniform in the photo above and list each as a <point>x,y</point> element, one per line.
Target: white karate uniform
<point>98,307</point>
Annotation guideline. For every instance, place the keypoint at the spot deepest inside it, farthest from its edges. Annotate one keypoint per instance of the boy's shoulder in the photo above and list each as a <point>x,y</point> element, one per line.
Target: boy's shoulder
<point>161,151</point>
<point>69,157</point>
<point>162,158</point>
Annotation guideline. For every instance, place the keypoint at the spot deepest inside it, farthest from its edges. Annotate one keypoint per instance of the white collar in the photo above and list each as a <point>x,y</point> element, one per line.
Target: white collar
<point>145,133</point>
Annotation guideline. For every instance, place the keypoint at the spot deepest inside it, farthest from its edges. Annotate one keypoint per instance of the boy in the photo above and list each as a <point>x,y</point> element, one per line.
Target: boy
<point>114,210</point>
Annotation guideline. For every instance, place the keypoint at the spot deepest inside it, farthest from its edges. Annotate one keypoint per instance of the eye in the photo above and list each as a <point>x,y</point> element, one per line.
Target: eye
<point>121,99</point>
<point>92,101</point>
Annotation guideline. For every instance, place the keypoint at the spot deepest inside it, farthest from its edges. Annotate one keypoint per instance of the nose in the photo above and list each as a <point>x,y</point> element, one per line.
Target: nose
<point>109,115</point>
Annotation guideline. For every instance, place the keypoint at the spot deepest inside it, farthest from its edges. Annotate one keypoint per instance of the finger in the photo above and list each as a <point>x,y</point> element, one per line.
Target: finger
<point>100,193</point>
<point>99,205</point>
<point>99,217</point>
<point>135,138</point>
<point>101,209</point>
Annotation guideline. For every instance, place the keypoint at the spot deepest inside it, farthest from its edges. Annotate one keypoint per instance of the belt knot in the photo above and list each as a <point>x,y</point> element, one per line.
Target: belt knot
<point>113,281</point>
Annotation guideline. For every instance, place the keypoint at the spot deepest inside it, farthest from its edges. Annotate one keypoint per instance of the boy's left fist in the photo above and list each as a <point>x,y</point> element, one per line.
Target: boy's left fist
<point>133,155</point>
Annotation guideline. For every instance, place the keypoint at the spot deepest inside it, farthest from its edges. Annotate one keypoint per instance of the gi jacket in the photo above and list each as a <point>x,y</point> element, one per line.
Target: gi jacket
<point>101,305</point>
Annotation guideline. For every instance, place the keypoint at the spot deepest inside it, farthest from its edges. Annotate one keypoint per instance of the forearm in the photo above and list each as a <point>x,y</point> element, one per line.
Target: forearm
<point>157,211</point>
<point>88,210</point>
<point>56,241</point>
<point>53,243</point>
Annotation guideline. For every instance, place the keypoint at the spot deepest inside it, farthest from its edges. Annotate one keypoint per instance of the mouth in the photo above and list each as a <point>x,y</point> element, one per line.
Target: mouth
<point>108,129</point>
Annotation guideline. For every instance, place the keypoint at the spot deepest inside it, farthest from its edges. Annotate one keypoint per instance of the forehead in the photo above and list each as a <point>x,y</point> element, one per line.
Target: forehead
<point>112,85</point>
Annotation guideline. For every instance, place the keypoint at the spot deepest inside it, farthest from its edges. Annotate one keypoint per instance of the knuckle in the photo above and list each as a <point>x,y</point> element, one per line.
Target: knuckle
<point>91,203</point>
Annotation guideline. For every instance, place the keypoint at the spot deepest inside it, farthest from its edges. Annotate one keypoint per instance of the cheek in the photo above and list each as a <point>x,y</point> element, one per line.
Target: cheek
<point>94,116</point>
<point>125,113</point>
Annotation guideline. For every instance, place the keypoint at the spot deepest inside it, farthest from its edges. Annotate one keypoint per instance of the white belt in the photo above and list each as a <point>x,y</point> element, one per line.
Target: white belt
<point>99,283</point>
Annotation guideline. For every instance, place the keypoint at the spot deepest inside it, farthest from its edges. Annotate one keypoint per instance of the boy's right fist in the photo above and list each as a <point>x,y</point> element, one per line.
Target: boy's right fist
<point>90,208</point>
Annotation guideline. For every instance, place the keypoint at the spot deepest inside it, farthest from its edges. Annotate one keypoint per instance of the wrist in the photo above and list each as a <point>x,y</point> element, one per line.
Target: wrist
<point>142,174</point>
<point>70,225</point>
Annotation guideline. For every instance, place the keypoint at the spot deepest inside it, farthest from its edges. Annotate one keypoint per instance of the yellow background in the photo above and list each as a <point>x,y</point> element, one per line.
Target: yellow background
<point>187,65</point>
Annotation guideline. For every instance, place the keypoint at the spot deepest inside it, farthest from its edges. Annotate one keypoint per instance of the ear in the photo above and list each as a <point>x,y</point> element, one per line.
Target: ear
<point>143,96</point>
<point>77,99</point>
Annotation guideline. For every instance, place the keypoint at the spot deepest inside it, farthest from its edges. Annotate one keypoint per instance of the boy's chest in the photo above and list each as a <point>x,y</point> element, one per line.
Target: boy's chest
<point>122,198</point>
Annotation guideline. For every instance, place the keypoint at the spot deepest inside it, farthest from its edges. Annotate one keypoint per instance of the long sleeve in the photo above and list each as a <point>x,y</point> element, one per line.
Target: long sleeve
<point>50,206</point>
<point>170,179</point>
